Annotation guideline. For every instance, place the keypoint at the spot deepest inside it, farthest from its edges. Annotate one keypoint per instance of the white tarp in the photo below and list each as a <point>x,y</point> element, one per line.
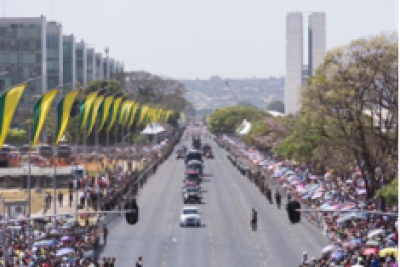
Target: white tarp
<point>244,128</point>
<point>154,128</point>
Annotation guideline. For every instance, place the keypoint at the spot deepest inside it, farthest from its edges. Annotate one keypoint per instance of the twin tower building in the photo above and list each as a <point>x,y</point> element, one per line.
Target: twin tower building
<point>301,65</point>
<point>37,48</point>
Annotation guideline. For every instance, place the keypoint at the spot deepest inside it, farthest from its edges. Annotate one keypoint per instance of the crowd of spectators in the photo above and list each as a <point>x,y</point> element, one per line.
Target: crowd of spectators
<point>357,238</point>
<point>67,242</point>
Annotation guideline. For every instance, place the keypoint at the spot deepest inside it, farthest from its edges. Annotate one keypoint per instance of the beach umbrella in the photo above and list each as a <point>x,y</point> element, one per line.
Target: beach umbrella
<point>67,238</point>
<point>372,243</point>
<point>64,251</point>
<point>328,249</point>
<point>46,243</point>
<point>89,254</point>
<point>375,232</point>
<point>369,251</point>
<point>388,251</point>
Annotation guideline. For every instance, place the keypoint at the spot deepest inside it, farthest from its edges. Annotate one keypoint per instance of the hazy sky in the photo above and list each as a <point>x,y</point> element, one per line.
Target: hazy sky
<point>200,38</point>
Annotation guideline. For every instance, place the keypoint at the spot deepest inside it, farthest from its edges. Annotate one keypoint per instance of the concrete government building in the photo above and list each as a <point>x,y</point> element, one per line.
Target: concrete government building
<point>296,71</point>
<point>37,48</point>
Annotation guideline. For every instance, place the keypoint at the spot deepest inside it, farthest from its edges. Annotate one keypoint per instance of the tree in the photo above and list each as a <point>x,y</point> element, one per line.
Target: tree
<point>16,136</point>
<point>246,104</point>
<point>355,92</point>
<point>269,132</point>
<point>227,119</point>
<point>109,87</point>
<point>390,192</point>
<point>276,105</point>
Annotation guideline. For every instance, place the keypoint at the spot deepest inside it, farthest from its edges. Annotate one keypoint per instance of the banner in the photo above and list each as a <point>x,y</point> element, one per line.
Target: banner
<point>40,112</point>
<point>8,103</point>
<point>63,113</point>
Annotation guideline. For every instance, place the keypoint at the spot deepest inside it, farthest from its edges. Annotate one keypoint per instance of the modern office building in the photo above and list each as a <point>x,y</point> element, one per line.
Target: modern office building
<point>99,66</point>
<point>316,40</point>
<point>69,63</point>
<point>106,69</point>
<point>91,65</point>
<point>54,46</point>
<point>112,69</point>
<point>294,61</point>
<point>81,63</point>
<point>296,71</point>
<point>23,55</point>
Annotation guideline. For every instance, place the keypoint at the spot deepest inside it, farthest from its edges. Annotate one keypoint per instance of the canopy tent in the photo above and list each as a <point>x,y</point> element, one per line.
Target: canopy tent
<point>244,128</point>
<point>153,128</point>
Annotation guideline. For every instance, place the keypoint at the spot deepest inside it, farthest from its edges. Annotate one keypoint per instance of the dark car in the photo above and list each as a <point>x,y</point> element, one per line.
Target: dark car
<point>207,151</point>
<point>195,165</point>
<point>196,142</point>
<point>193,155</point>
<point>192,177</point>
<point>191,195</point>
<point>180,154</point>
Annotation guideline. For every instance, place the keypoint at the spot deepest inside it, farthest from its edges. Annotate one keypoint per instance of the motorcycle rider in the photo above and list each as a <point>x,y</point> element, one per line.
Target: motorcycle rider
<point>253,221</point>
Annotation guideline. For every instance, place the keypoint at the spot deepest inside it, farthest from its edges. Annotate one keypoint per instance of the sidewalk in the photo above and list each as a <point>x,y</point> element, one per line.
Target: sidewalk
<point>65,208</point>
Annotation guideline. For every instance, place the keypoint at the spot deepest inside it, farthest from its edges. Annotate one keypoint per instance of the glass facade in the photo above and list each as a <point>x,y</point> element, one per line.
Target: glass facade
<point>105,69</point>
<point>54,56</point>
<point>91,69</point>
<point>68,63</point>
<point>80,57</point>
<point>112,69</point>
<point>21,56</point>
<point>99,67</point>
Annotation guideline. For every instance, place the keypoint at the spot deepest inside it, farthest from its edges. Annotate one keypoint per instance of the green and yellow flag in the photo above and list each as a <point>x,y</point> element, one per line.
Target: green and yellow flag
<point>93,113</point>
<point>135,109</point>
<point>143,114</point>
<point>104,110</point>
<point>40,112</point>
<point>84,109</point>
<point>8,103</point>
<point>128,113</point>
<point>122,112</point>
<point>114,112</point>
<point>63,113</point>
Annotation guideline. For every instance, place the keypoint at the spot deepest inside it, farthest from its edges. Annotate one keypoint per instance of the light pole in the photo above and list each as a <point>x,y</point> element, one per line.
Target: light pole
<point>55,147</point>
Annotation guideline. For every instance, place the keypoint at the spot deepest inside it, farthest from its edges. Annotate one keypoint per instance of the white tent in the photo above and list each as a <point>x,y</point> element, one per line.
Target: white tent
<point>154,128</point>
<point>244,128</point>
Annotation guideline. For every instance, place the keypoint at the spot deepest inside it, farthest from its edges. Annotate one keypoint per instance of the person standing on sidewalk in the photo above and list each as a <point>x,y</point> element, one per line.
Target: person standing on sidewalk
<point>60,198</point>
<point>71,198</point>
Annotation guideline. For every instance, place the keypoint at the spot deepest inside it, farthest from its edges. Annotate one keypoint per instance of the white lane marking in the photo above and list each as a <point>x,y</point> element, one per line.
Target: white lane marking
<point>174,239</point>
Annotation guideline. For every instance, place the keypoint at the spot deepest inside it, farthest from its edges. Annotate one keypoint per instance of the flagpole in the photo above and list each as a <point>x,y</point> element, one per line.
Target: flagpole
<point>55,176</point>
<point>97,155</point>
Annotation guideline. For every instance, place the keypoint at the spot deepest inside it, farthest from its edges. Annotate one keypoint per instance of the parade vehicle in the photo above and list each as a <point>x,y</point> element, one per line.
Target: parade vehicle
<point>193,155</point>
<point>190,216</point>
<point>207,151</point>
<point>195,165</point>
<point>180,153</point>
<point>192,176</point>
<point>196,142</point>
<point>191,195</point>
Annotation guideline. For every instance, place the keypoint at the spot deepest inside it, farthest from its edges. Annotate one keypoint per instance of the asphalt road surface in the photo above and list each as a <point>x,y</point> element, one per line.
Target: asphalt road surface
<point>225,238</point>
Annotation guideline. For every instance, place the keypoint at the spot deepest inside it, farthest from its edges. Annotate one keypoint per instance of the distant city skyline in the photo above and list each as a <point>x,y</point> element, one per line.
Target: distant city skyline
<point>198,39</point>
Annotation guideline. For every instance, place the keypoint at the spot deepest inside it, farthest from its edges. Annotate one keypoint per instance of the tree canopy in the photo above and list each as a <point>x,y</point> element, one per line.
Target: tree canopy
<point>276,105</point>
<point>227,119</point>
